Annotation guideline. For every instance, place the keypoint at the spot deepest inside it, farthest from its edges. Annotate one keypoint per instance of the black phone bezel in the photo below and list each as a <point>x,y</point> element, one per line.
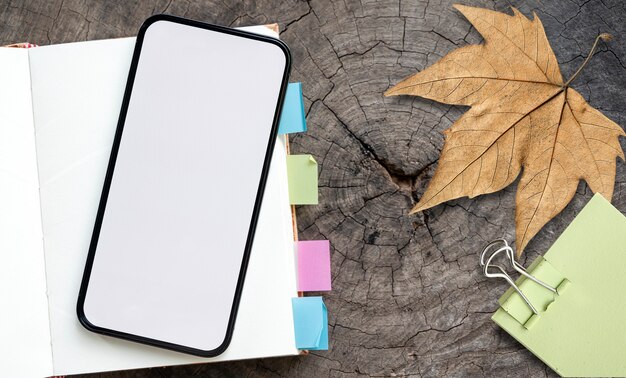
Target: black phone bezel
<point>109,175</point>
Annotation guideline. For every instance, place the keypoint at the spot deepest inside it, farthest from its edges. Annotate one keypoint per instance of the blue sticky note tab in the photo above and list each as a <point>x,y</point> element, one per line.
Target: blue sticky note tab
<point>292,118</point>
<point>310,319</point>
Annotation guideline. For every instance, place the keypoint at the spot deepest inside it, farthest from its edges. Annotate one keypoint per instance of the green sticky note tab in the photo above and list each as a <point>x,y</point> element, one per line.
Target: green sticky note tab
<point>581,331</point>
<point>302,179</point>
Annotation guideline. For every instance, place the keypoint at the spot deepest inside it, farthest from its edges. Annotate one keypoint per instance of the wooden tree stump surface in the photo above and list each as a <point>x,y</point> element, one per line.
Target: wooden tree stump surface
<point>408,298</point>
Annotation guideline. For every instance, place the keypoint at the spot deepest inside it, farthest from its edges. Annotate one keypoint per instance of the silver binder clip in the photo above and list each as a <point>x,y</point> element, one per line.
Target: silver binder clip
<point>501,246</point>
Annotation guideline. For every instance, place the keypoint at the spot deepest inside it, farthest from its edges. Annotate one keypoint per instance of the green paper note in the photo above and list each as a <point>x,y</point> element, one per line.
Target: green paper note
<point>581,331</point>
<point>302,179</point>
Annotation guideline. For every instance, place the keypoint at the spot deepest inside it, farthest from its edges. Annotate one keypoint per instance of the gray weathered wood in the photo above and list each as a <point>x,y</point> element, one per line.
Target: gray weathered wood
<point>408,298</point>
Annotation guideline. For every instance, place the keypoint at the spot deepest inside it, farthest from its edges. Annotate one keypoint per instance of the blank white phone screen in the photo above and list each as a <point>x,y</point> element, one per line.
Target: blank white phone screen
<point>185,183</point>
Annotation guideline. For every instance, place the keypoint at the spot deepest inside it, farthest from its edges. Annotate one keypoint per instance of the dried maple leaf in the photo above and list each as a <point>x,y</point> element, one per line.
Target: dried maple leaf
<point>522,115</point>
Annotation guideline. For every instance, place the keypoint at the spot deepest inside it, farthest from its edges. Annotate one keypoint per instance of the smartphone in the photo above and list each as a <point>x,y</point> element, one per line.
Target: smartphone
<point>184,185</point>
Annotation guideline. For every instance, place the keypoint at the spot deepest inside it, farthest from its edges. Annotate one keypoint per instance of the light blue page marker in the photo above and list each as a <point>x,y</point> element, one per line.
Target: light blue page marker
<point>292,118</point>
<point>310,319</point>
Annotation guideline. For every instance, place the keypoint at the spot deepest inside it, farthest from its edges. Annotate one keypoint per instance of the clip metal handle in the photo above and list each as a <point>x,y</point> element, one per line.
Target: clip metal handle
<point>499,246</point>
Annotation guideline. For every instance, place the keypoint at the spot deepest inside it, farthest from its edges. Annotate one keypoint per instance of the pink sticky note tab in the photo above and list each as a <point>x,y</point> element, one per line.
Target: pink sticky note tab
<point>314,265</point>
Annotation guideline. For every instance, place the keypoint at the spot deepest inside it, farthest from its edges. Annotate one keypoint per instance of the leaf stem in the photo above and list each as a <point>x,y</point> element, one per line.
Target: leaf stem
<point>603,36</point>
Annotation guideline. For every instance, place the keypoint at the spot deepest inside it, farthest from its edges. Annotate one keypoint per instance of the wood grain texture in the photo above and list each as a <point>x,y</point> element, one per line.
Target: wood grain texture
<point>407,299</point>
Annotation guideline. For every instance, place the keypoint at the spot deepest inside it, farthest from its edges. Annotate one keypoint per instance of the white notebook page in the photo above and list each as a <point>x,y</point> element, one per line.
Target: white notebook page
<point>77,93</point>
<point>24,330</point>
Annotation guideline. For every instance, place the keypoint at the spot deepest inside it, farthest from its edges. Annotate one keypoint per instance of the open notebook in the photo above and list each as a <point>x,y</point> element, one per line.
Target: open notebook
<point>59,107</point>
